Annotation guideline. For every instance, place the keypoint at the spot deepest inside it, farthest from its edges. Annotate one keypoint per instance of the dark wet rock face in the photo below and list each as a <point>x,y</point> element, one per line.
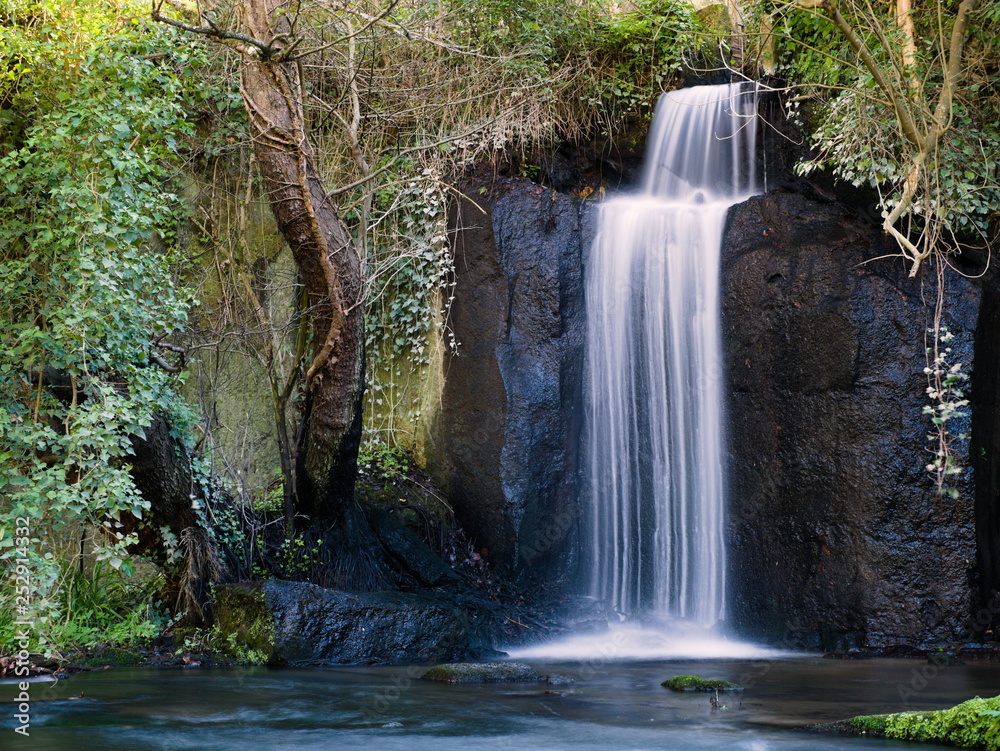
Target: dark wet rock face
<point>985,455</point>
<point>464,453</point>
<point>505,452</point>
<point>837,536</point>
<point>300,623</point>
<point>540,357</point>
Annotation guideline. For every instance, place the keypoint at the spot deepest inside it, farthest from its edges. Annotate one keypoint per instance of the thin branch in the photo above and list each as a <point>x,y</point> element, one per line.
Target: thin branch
<point>264,51</point>
<point>399,155</point>
<point>351,34</point>
<point>906,120</point>
<point>164,365</point>
<point>942,113</point>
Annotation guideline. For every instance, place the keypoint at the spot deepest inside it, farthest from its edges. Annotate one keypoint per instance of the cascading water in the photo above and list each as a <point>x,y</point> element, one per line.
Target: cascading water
<point>654,414</point>
<point>654,548</point>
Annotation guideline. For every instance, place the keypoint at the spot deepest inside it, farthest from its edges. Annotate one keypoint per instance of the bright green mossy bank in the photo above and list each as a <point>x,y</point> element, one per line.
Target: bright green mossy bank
<point>971,724</point>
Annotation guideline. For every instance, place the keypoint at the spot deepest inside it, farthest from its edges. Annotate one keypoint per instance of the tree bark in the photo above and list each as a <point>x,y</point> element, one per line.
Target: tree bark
<point>904,20</point>
<point>327,261</point>
<point>161,471</point>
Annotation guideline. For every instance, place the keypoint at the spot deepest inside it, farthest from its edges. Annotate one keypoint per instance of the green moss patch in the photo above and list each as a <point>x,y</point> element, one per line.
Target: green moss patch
<point>873,724</point>
<point>971,724</point>
<point>111,656</point>
<point>694,683</point>
<point>244,625</point>
<point>483,672</point>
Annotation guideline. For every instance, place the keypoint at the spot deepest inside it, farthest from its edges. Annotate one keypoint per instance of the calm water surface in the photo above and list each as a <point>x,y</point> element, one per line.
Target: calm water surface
<point>613,706</point>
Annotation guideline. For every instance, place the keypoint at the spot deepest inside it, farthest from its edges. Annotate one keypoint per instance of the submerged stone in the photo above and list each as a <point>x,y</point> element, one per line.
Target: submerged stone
<point>483,672</point>
<point>694,683</point>
<point>944,659</point>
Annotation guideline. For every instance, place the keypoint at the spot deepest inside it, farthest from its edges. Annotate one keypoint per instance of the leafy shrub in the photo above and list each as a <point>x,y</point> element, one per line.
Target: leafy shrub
<point>94,101</point>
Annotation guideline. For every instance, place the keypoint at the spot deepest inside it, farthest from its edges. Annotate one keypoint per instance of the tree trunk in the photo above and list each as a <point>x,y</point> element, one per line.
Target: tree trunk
<point>161,471</point>
<point>329,267</point>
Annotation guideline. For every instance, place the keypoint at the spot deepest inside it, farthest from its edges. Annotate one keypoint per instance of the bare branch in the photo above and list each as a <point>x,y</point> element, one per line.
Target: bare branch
<point>352,33</point>
<point>953,69</point>
<point>241,42</point>
<point>399,155</point>
<point>906,121</point>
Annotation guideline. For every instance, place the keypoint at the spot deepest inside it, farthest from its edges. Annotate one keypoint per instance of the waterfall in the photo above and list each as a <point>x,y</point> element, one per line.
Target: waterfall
<point>654,415</point>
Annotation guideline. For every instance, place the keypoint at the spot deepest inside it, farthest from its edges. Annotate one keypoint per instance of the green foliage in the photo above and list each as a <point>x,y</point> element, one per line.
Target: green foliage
<point>228,641</point>
<point>98,606</point>
<point>621,55</point>
<point>271,499</point>
<point>233,647</point>
<point>971,724</point>
<point>297,558</point>
<point>808,48</point>
<point>411,274</point>
<point>288,558</point>
<point>244,627</point>
<point>379,462</point>
<point>94,101</point>
<point>855,129</point>
<point>870,723</point>
<point>389,479</point>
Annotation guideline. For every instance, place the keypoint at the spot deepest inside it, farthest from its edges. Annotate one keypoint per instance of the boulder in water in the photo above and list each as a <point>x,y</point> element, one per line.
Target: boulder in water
<point>694,683</point>
<point>483,672</point>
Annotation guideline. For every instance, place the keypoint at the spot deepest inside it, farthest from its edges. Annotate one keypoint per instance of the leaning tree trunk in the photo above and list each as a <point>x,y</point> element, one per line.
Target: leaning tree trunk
<point>329,266</point>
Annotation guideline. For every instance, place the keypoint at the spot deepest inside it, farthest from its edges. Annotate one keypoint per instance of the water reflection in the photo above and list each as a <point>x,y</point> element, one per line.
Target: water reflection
<point>618,706</point>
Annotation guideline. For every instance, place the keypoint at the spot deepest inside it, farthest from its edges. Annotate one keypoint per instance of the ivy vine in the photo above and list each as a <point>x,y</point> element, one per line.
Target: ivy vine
<point>94,101</point>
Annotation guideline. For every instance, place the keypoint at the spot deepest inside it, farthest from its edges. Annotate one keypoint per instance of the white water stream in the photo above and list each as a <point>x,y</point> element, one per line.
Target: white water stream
<point>654,548</point>
<point>654,367</point>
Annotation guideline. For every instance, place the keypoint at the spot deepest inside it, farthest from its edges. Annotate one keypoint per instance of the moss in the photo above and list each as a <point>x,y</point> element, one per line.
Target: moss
<point>867,723</point>
<point>694,683</point>
<point>971,724</point>
<point>232,379</point>
<point>715,19</point>
<point>244,625</point>
<point>483,672</point>
<point>112,656</point>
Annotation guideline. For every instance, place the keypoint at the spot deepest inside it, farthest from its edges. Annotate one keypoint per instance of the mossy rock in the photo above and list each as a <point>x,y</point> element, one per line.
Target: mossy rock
<point>971,724</point>
<point>867,724</point>
<point>715,19</point>
<point>244,624</point>
<point>483,672</point>
<point>694,683</point>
